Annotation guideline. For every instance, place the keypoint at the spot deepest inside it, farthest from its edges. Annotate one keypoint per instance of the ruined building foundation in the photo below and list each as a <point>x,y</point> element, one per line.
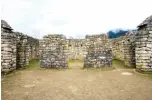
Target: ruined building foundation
<point>55,51</point>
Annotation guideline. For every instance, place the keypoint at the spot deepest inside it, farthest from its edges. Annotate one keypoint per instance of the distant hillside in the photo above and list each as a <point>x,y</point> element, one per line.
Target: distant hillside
<point>116,33</point>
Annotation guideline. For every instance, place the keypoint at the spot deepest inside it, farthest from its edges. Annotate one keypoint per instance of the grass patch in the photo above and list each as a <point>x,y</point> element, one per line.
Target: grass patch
<point>120,64</point>
<point>145,74</point>
<point>72,61</point>
<point>34,64</point>
<point>148,74</point>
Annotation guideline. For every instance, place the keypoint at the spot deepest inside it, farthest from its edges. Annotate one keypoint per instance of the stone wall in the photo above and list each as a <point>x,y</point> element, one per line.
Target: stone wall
<point>99,52</point>
<point>134,49</point>
<point>144,45</point>
<point>17,49</point>
<point>118,48</point>
<point>8,48</point>
<point>124,48</point>
<point>53,52</point>
<point>77,49</point>
<point>27,49</point>
<point>129,49</point>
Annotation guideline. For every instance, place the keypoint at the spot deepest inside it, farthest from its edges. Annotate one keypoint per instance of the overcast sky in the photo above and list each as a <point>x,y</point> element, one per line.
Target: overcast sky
<point>74,18</point>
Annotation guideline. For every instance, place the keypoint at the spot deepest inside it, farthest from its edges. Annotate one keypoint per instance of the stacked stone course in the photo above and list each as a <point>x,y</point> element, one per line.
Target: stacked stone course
<point>27,49</point>
<point>77,49</point>
<point>8,48</point>
<point>53,52</point>
<point>144,45</point>
<point>17,49</point>
<point>134,49</point>
<point>124,48</point>
<point>99,52</point>
<point>118,48</point>
<point>129,49</point>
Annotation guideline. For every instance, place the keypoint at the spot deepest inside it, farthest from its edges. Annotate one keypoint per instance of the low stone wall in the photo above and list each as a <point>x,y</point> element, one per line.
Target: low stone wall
<point>99,52</point>
<point>53,52</point>
<point>76,49</point>
<point>17,49</point>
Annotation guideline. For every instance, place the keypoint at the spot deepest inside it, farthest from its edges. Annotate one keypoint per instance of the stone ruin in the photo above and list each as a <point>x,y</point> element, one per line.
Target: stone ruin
<point>17,49</point>
<point>8,48</point>
<point>124,48</point>
<point>99,52</point>
<point>144,45</point>
<point>76,49</point>
<point>54,51</point>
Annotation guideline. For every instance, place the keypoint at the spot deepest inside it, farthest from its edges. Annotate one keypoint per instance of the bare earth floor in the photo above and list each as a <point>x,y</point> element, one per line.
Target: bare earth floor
<point>76,84</point>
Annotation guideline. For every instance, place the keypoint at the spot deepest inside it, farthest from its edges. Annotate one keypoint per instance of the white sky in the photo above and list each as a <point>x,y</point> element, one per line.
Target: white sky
<point>74,18</point>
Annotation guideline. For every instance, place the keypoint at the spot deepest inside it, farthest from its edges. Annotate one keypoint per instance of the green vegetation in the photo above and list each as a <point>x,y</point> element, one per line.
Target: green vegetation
<point>71,61</point>
<point>145,74</point>
<point>149,74</point>
<point>118,63</point>
<point>34,64</point>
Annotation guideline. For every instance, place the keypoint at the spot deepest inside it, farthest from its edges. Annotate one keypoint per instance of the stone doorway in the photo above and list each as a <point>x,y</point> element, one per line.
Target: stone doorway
<point>76,52</point>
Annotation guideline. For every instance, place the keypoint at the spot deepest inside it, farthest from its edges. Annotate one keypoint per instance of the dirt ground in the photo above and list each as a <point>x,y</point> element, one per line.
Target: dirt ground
<point>76,84</point>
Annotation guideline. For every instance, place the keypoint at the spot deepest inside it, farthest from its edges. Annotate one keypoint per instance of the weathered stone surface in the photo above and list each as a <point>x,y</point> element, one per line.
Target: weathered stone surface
<point>118,48</point>
<point>76,49</point>
<point>27,49</point>
<point>124,48</point>
<point>99,52</point>
<point>17,49</point>
<point>144,45</point>
<point>8,48</point>
<point>135,49</point>
<point>53,52</point>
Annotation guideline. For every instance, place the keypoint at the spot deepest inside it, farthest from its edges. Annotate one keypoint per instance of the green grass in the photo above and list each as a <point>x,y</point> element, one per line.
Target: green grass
<point>34,64</point>
<point>145,74</point>
<point>148,74</point>
<point>72,61</point>
<point>118,63</point>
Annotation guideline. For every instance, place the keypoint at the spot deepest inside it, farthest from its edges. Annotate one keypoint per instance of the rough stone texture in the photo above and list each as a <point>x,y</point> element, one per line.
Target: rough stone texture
<point>99,52</point>
<point>27,49</point>
<point>17,49</point>
<point>129,49</point>
<point>53,52</point>
<point>118,48</point>
<point>135,49</point>
<point>124,48</point>
<point>76,49</point>
<point>8,48</point>
<point>144,45</point>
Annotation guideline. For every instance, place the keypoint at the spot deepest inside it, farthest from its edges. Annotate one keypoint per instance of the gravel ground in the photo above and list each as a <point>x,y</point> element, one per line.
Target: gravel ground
<point>76,84</point>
